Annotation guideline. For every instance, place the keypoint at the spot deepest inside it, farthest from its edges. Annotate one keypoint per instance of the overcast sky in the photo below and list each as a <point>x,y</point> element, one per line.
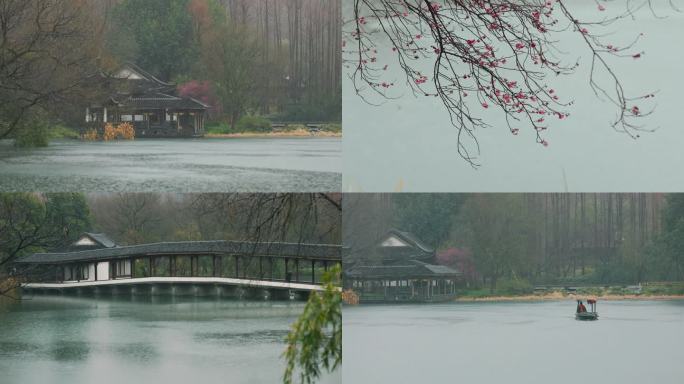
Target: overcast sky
<point>408,143</point>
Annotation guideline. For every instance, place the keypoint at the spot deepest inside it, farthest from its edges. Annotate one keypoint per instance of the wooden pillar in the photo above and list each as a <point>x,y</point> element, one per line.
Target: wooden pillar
<point>172,266</point>
<point>313,272</point>
<point>271,267</point>
<point>131,261</point>
<point>237,266</point>
<point>286,271</point>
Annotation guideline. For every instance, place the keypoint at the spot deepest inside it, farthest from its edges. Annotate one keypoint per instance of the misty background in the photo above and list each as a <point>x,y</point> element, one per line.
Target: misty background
<point>509,243</point>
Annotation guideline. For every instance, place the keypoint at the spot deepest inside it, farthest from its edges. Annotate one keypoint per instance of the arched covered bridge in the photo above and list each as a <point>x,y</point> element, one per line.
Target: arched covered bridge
<point>95,263</point>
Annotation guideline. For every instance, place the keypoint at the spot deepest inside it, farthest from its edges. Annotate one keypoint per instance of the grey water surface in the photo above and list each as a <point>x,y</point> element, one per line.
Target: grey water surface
<point>175,165</point>
<point>632,342</point>
<point>79,340</point>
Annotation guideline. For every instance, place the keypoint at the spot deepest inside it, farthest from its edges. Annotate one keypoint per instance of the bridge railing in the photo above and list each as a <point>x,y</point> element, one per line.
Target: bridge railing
<point>277,269</point>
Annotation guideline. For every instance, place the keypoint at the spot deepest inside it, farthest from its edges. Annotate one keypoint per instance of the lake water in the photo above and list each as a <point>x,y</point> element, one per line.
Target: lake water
<point>54,339</point>
<point>192,165</point>
<point>633,342</point>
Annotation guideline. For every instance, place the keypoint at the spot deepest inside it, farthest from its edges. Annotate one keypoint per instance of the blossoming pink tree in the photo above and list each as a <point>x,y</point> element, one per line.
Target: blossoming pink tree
<point>202,91</point>
<point>491,54</point>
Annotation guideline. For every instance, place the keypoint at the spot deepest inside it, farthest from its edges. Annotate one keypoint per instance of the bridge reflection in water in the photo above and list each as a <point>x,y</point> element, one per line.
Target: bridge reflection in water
<point>196,268</point>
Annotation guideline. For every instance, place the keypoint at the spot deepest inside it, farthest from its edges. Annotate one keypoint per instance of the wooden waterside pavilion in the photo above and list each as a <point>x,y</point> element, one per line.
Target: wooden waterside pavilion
<point>404,270</point>
<point>135,96</point>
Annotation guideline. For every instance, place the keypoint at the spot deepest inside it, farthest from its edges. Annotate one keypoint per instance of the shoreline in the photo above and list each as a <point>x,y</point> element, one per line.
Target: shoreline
<point>557,296</point>
<point>252,135</point>
<point>245,135</point>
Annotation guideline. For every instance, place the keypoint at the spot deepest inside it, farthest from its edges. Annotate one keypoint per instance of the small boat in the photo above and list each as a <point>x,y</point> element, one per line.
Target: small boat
<point>586,315</point>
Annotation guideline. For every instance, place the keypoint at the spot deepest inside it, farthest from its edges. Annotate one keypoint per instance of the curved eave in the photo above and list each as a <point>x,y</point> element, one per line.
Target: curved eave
<point>291,250</point>
<point>400,277</point>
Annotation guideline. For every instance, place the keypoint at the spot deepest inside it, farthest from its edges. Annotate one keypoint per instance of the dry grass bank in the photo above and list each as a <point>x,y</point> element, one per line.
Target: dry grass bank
<point>294,133</point>
<point>560,296</point>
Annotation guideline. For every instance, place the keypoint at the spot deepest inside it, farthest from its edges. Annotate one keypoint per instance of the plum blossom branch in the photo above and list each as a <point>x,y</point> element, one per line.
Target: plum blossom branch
<point>489,54</point>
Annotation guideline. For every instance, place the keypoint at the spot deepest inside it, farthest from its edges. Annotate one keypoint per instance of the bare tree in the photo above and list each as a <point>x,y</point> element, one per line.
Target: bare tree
<point>34,223</point>
<point>131,218</point>
<point>48,50</point>
<point>307,217</point>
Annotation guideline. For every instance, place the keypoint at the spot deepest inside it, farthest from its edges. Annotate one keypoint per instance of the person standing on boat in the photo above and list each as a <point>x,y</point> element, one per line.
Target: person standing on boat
<point>580,307</point>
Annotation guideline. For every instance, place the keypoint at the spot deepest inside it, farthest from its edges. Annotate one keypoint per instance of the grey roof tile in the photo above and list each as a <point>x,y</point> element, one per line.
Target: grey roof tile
<point>101,239</point>
<point>410,269</point>
<point>318,251</point>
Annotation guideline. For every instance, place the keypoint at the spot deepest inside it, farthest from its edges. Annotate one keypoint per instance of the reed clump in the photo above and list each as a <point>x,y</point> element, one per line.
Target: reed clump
<point>123,131</point>
<point>90,135</point>
<point>350,297</point>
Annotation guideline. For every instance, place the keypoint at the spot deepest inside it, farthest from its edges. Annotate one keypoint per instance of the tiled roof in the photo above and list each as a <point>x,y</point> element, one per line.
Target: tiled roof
<point>411,239</point>
<point>159,101</point>
<point>410,269</point>
<point>101,239</point>
<point>317,251</point>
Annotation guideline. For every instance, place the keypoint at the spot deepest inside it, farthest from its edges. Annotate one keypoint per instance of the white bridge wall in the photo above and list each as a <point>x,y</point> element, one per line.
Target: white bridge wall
<point>91,272</point>
<point>103,271</point>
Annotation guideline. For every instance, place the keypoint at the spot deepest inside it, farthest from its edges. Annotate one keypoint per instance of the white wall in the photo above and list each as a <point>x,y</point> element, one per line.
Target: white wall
<point>91,272</point>
<point>103,270</point>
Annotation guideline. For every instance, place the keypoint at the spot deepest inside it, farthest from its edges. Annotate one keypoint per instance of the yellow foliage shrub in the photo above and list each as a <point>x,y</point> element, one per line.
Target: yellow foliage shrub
<point>90,135</point>
<point>110,133</point>
<point>126,131</point>
<point>350,297</point>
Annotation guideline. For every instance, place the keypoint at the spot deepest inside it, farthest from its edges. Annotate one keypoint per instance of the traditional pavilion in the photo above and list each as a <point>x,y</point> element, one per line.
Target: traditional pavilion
<point>94,259</point>
<point>149,104</point>
<point>404,269</point>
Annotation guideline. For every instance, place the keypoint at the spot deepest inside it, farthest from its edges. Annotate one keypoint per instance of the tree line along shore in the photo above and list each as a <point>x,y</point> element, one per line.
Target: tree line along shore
<point>645,291</point>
